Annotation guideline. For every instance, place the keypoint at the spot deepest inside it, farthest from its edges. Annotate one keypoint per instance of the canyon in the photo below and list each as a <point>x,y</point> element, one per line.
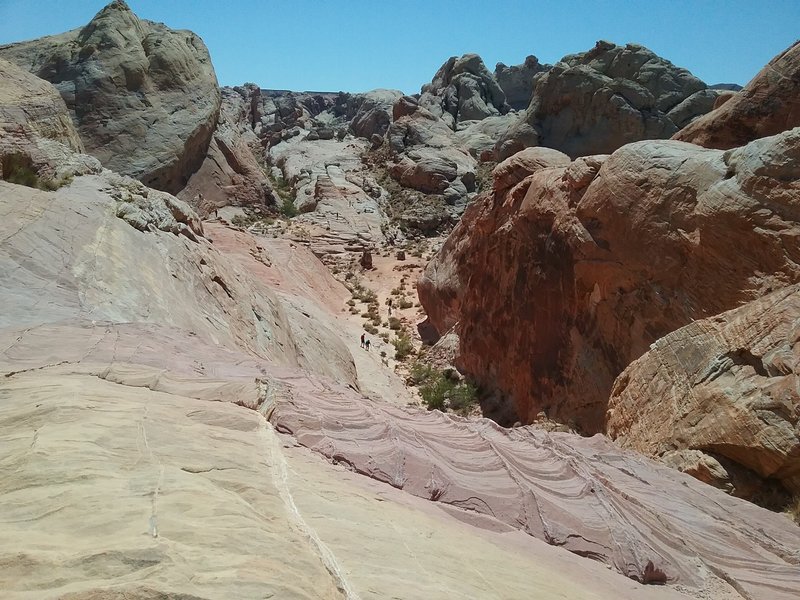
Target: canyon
<point>602,256</point>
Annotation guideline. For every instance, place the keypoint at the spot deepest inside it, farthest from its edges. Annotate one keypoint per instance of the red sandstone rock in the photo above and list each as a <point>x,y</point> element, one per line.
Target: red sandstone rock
<point>557,285</point>
<point>728,386</point>
<point>767,105</point>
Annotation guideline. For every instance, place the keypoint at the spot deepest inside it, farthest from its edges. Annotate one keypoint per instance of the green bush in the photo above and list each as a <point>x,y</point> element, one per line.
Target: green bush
<point>394,323</point>
<point>370,328</point>
<point>442,392</point>
<point>405,303</point>
<point>288,209</point>
<point>402,346</point>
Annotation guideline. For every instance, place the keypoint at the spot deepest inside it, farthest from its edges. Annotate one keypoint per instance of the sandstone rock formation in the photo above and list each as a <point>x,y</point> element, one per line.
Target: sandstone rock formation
<point>463,89</point>
<point>143,367</point>
<point>516,81</point>
<point>556,285</point>
<point>581,494</point>
<point>767,105</point>
<point>596,101</point>
<point>29,102</point>
<point>232,172</point>
<point>724,388</point>
<point>144,97</point>
<point>373,114</point>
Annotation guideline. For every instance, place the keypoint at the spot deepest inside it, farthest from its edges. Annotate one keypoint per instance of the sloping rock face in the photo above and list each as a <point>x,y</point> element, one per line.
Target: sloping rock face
<point>727,387</point>
<point>144,97</point>
<point>557,285</point>
<point>516,81</point>
<point>767,105</point>
<point>232,172</point>
<point>581,494</point>
<point>463,89</point>
<point>597,101</point>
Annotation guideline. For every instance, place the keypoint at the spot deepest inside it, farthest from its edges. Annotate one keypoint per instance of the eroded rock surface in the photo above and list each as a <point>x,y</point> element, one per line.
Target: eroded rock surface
<point>596,101</point>
<point>144,97</point>
<point>556,285</point>
<point>724,388</point>
<point>767,105</point>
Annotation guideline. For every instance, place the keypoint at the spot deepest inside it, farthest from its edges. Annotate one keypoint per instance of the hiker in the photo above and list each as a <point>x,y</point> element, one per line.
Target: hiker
<point>367,343</point>
<point>362,340</point>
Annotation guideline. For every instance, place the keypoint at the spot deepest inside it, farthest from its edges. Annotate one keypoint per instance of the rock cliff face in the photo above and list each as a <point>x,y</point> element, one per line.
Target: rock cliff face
<point>767,105</point>
<point>597,101</point>
<point>727,389</point>
<point>144,97</point>
<point>555,285</point>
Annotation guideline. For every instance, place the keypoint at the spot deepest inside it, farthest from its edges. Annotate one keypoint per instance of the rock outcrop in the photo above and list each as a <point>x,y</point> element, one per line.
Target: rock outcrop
<point>27,102</point>
<point>726,388</point>
<point>596,101</point>
<point>233,170</point>
<point>463,89</point>
<point>144,97</point>
<point>556,285</point>
<point>767,105</point>
<point>516,81</point>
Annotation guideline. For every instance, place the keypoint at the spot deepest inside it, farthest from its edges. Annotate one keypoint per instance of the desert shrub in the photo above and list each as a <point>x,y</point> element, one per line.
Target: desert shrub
<point>442,391</point>
<point>351,302</point>
<point>394,324</point>
<point>402,346</point>
<point>370,328</point>
<point>405,303</point>
<point>18,169</point>
<point>288,209</point>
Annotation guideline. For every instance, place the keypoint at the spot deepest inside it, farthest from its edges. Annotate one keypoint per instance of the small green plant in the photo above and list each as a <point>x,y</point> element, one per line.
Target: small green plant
<point>440,390</point>
<point>288,209</point>
<point>403,347</point>
<point>394,324</point>
<point>351,302</point>
<point>370,328</point>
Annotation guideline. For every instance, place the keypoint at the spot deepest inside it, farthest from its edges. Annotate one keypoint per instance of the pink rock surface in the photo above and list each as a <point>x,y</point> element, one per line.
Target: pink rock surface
<point>647,521</point>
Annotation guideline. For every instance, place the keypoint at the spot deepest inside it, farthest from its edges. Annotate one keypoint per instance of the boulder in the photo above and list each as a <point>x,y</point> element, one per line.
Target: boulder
<point>31,102</point>
<point>767,105</point>
<point>522,164</point>
<point>596,101</point>
<point>516,81</point>
<point>557,284</point>
<point>727,386</point>
<point>374,113</point>
<point>144,97</point>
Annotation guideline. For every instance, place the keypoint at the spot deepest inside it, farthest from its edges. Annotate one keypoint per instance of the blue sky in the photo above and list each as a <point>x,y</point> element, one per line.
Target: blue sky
<point>358,45</point>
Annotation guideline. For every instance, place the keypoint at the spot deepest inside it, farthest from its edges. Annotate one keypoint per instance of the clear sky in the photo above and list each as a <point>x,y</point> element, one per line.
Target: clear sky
<point>357,45</point>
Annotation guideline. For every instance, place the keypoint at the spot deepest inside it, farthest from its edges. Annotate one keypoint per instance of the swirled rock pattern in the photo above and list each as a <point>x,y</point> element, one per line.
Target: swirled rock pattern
<point>769,104</point>
<point>583,494</point>
<point>727,387</point>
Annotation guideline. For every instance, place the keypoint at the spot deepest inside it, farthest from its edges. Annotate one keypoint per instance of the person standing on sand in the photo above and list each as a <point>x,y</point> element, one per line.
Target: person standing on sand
<point>367,344</point>
<point>362,340</point>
